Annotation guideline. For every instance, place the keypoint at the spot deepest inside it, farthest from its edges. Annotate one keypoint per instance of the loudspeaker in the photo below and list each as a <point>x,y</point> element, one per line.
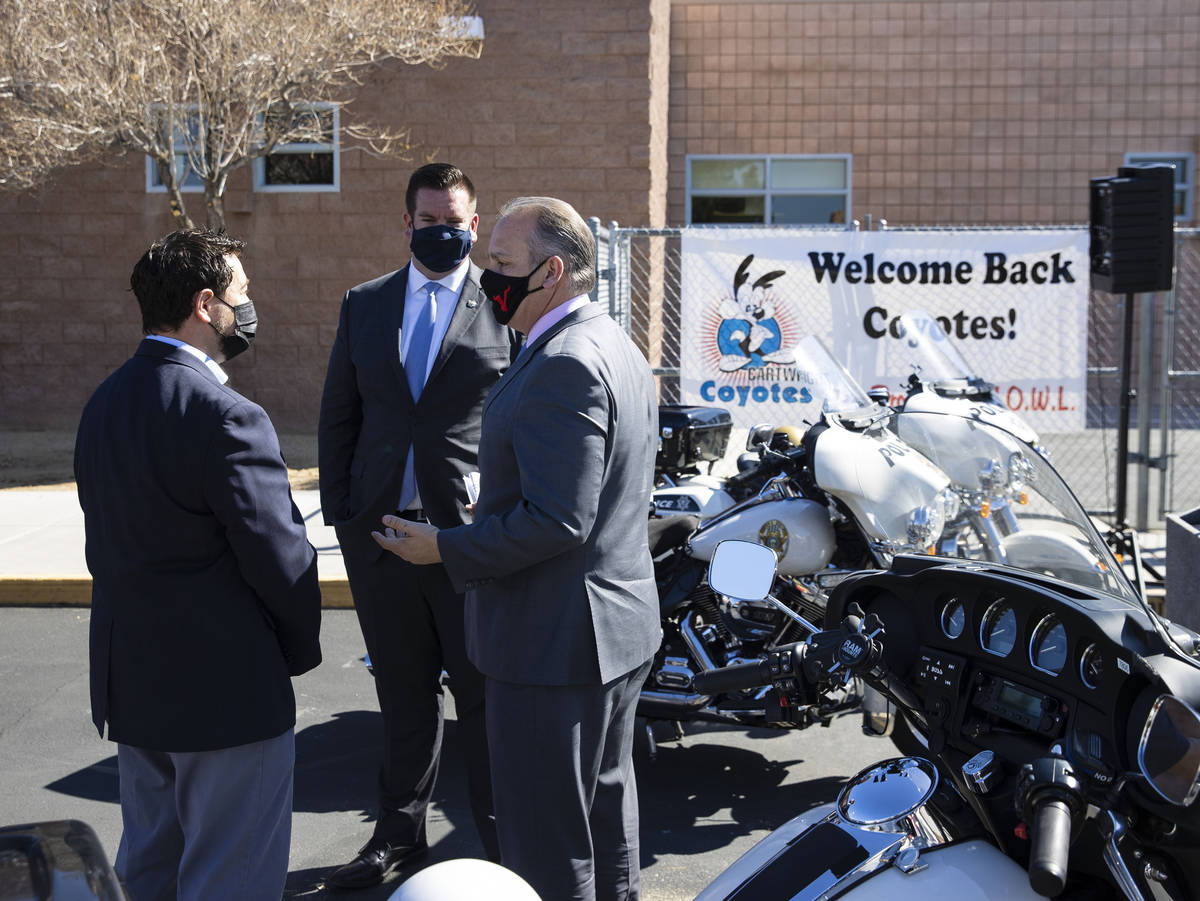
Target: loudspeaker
<point>1133,230</point>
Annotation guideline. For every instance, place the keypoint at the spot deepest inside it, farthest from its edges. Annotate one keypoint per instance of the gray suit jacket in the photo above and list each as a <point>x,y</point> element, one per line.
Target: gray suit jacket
<point>369,421</point>
<point>557,563</point>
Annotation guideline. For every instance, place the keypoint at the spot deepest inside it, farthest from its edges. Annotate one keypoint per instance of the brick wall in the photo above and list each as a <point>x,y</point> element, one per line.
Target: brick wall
<point>559,103</point>
<point>955,111</point>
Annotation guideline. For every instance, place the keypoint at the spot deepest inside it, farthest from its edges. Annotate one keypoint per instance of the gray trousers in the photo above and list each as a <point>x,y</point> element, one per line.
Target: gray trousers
<point>207,824</point>
<point>564,787</point>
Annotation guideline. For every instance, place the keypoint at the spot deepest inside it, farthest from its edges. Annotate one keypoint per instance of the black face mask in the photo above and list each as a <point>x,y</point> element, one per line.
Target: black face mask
<point>245,324</point>
<point>440,248</point>
<point>507,291</point>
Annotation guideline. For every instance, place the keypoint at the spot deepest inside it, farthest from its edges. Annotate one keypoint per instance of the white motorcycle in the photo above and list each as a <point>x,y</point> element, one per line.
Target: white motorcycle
<point>851,496</point>
<point>941,381</point>
<point>1064,752</point>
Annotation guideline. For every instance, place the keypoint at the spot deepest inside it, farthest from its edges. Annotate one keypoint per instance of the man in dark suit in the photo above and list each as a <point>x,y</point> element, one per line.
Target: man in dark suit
<point>411,364</point>
<point>204,589</point>
<point>562,610</point>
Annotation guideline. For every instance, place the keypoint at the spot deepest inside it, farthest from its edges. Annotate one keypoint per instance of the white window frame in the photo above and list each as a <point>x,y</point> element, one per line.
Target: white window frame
<point>334,147</point>
<point>766,192</point>
<point>152,184</point>
<point>1188,186</point>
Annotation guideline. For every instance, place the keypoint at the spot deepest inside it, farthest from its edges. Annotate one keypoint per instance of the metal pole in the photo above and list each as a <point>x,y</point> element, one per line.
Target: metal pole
<point>1123,414</point>
<point>594,226</point>
<point>1165,415</point>
<point>618,273</point>
<point>1145,393</point>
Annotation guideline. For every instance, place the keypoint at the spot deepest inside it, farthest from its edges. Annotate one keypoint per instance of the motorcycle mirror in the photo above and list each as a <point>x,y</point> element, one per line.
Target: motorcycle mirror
<point>880,394</point>
<point>742,570</point>
<point>1169,750</point>
<point>759,434</point>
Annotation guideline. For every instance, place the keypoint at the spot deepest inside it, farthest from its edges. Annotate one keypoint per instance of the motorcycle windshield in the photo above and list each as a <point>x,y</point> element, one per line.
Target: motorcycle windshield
<point>828,381</point>
<point>1014,507</point>
<point>926,350</point>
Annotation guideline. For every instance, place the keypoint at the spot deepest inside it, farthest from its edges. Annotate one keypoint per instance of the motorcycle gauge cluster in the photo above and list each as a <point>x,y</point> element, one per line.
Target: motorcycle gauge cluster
<point>1048,647</point>
<point>954,618</point>
<point>998,633</point>
<point>1091,666</point>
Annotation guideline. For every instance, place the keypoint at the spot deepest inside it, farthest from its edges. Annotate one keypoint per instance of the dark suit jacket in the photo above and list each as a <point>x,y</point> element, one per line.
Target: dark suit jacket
<point>557,560</point>
<point>204,585</point>
<point>369,421</point>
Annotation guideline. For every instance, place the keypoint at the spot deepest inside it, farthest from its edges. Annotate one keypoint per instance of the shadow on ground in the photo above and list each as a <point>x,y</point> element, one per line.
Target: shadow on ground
<point>695,796</point>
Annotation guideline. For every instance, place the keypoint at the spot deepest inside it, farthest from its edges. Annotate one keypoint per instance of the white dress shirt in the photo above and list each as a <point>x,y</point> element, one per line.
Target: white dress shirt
<point>213,366</point>
<point>416,296</point>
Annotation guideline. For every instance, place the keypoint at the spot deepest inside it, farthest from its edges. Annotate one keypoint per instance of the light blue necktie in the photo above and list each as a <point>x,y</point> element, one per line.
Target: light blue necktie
<point>419,345</point>
<point>415,365</point>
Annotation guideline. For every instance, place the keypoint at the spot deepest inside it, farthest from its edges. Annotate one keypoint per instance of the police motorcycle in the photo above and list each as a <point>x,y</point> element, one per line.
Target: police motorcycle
<point>995,457</point>
<point>941,381</point>
<point>1064,743</point>
<point>849,496</point>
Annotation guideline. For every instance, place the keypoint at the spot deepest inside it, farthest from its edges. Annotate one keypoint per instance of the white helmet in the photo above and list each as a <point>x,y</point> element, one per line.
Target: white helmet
<point>465,879</point>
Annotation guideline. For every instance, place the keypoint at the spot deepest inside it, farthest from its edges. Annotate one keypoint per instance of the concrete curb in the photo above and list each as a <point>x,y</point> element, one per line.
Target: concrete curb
<point>49,591</point>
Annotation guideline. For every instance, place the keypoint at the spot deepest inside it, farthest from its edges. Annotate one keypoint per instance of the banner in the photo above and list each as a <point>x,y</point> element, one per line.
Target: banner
<point>1012,302</point>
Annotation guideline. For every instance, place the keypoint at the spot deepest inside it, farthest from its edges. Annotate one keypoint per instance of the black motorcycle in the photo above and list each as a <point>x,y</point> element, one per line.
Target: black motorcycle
<point>1063,753</point>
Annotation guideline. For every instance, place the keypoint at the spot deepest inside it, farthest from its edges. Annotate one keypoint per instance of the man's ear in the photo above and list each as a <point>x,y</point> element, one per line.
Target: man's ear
<point>201,302</point>
<point>555,268</point>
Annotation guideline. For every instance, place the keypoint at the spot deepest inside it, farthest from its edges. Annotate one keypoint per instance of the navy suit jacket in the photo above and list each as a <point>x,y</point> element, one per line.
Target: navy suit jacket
<point>204,586</point>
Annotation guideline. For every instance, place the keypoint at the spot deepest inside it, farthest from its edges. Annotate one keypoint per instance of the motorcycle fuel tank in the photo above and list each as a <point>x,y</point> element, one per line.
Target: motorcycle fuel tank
<point>797,529</point>
<point>878,843</point>
<point>878,476</point>
<point>973,870</point>
<point>992,413</point>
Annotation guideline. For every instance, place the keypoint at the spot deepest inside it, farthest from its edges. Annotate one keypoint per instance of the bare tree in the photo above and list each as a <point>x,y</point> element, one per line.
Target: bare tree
<point>200,86</point>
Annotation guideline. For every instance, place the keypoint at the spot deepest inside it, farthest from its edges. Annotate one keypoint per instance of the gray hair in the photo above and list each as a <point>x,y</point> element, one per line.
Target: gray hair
<point>559,231</point>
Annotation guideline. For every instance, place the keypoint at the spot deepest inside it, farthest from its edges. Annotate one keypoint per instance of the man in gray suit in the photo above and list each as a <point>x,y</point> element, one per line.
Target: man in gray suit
<point>562,611</point>
<point>415,355</point>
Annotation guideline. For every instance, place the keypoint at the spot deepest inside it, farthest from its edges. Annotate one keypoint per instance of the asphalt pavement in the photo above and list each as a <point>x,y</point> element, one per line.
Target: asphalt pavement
<point>705,799</point>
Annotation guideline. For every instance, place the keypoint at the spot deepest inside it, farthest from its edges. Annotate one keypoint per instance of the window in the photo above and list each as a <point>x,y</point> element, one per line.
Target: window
<point>187,136</point>
<point>1185,177</point>
<point>306,166</point>
<point>771,190</point>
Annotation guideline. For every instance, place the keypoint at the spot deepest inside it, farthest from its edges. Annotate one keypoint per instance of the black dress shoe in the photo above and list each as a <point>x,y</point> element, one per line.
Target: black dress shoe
<point>373,862</point>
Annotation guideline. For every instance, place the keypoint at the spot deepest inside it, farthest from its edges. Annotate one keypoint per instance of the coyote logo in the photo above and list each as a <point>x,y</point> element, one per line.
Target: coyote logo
<point>749,336</point>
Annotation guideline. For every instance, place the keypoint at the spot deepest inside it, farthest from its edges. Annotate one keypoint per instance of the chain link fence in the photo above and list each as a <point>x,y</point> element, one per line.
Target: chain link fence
<point>640,283</point>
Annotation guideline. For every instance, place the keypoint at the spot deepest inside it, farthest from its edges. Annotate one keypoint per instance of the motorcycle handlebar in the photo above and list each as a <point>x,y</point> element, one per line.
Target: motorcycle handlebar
<point>1051,844</point>
<point>1049,796</point>
<point>733,678</point>
<point>844,651</point>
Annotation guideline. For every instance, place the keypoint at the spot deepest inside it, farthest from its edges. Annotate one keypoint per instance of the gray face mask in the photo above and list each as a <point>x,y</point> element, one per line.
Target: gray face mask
<point>245,324</point>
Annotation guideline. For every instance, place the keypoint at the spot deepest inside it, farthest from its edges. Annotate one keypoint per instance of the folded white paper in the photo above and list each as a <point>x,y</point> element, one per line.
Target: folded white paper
<point>471,480</point>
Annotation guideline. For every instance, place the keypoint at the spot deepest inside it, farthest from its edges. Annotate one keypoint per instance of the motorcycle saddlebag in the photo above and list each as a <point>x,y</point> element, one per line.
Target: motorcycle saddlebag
<point>691,435</point>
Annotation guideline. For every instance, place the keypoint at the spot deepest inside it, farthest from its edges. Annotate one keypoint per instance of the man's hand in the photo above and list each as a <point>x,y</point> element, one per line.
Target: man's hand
<point>415,542</point>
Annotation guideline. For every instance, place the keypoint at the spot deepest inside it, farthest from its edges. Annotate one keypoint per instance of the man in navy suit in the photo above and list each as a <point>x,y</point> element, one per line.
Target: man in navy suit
<point>416,352</point>
<point>562,610</point>
<point>204,589</point>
